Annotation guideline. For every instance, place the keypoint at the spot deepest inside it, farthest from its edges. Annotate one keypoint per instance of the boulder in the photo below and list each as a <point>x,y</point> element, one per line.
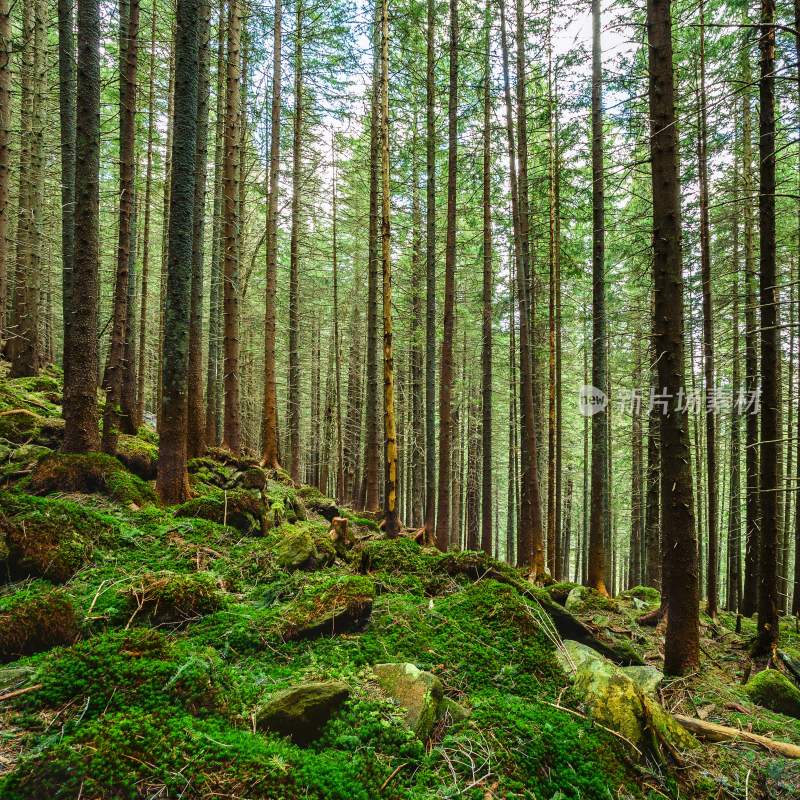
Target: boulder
<point>295,550</point>
<point>614,700</point>
<point>583,600</point>
<point>420,693</point>
<point>339,605</point>
<point>773,690</point>
<point>647,678</point>
<point>301,711</point>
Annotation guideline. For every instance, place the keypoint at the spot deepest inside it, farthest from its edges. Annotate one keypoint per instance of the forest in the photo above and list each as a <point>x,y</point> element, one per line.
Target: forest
<point>400,399</point>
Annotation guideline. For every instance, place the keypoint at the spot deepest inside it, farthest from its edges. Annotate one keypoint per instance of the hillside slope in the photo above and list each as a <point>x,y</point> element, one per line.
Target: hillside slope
<point>231,647</point>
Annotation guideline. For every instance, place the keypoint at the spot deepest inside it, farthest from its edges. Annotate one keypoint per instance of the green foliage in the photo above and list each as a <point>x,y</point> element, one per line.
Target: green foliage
<point>89,473</point>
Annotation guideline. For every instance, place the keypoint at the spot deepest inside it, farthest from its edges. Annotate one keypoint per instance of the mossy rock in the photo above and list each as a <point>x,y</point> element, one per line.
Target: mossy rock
<point>21,426</point>
<point>298,548</point>
<point>585,600</point>
<point>301,711</point>
<point>646,594</point>
<point>252,478</point>
<point>341,604</point>
<point>315,501</point>
<point>168,598</point>
<point>773,690</point>
<point>89,473</point>
<point>139,456</point>
<point>238,508</point>
<point>208,471</point>
<point>33,621</point>
<point>560,591</point>
<point>50,538</point>
<point>420,694</point>
<point>616,701</point>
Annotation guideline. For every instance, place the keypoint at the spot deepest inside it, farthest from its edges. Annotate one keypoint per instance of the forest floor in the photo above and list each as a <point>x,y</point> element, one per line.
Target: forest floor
<point>230,648</point>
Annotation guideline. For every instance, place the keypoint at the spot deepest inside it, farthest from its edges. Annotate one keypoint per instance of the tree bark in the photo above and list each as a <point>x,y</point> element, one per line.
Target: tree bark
<point>148,187</point>
<point>196,444</point>
<point>391,522</point>
<point>115,365</point>
<point>599,505</point>
<point>680,542</point>
<point>173,479</point>
<point>294,254</point>
<point>81,433</point>
<point>446,378</point>
<point>270,408</point>
<point>488,292</point>
<point>66,98</point>
<point>231,436</point>
<point>430,273</point>
<point>767,634</point>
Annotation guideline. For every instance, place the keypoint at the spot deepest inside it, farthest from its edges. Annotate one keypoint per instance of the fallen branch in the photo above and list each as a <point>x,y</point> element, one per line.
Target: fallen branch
<point>18,692</point>
<point>721,733</point>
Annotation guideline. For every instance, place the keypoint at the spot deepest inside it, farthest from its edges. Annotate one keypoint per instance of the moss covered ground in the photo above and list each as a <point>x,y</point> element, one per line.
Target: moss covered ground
<point>154,635</point>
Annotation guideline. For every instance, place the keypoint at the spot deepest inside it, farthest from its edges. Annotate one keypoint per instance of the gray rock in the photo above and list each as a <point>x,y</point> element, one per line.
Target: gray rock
<point>301,711</point>
<point>647,678</point>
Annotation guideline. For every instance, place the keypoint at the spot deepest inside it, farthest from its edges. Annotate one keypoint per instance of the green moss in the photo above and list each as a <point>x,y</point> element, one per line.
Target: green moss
<point>22,426</point>
<point>332,605</point>
<point>646,594</point>
<point>138,455</point>
<point>139,667</point>
<point>238,508</point>
<point>51,538</point>
<point>773,690</point>
<point>171,598</point>
<point>89,473</point>
<point>35,619</point>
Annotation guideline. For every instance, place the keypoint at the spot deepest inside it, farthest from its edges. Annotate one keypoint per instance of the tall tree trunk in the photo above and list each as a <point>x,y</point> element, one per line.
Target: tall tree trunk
<point>148,188</point>
<point>635,545</point>
<point>734,594</point>
<point>770,431</point>
<point>270,408</point>
<point>597,521</point>
<point>417,431</point>
<point>446,379</point>
<point>81,433</point>
<point>712,562</point>
<point>796,586</point>
<point>391,522</point>
<point>231,436</point>
<point>115,366</point>
<point>196,443</point>
<point>6,49</point>
<point>372,442</point>
<point>25,360</point>
<point>214,379</point>
<point>488,291</point>
<point>294,253</point>
<point>680,541</point>
<point>430,272</point>
<point>513,470</point>
<point>340,490</point>
<point>173,479</point>
<point>652,522</point>
<point>66,105</point>
<point>752,480</point>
